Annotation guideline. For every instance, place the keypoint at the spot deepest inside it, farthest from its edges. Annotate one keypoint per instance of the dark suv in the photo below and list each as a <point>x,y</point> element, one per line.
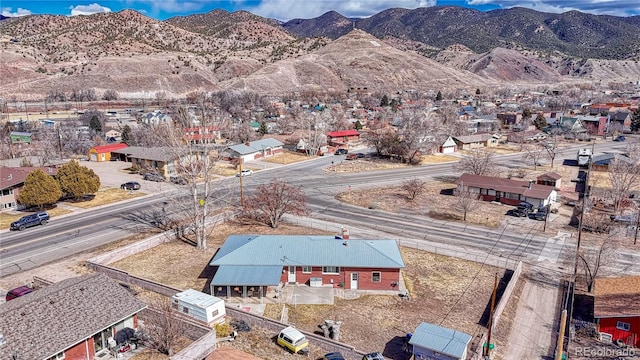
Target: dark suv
<point>39,218</point>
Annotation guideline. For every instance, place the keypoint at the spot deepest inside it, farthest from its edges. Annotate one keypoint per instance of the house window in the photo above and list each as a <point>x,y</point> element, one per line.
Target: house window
<point>306,269</point>
<point>214,313</point>
<point>185,310</point>
<point>484,191</point>
<point>376,276</point>
<point>621,325</point>
<point>331,270</point>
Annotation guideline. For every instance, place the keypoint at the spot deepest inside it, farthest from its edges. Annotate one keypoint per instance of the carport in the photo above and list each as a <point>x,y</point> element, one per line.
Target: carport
<point>245,281</point>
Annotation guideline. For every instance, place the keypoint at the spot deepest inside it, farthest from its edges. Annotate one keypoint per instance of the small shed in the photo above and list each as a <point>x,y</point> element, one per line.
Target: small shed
<point>199,306</point>
<point>103,152</point>
<point>449,146</point>
<point>20,137</point>
<point>549,179</point>
<point>436,342</point>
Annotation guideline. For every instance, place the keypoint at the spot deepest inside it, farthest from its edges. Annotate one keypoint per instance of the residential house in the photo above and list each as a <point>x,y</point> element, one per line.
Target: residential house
<point>113,135</point>
<point>449,146</point>
<point>601,162</point>
<point>157,117</point>
<point>202,134</point>
<point>343,137</point>
<point>431,341</point>
<point>509,119</point>
<point>599,109</point>
<point>595,125</point>
<point>160,159</point>
<point>103,152</point>
<point>75,318</point>
<point>507,191</point>
<point>616,308</point>
<point>550,179</point>
<point>20,137</point>
<point>469,142</point>
<point>248,264</point>
<point>12,180</point>
<point>254,150</point>
<point>620,121</point>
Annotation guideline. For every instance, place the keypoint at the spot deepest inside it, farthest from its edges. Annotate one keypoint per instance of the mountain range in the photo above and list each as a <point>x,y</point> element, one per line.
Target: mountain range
<point>424,49</point>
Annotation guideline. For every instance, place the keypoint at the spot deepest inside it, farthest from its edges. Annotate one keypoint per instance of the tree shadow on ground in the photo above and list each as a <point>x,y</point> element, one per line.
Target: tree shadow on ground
<point>397,349</point>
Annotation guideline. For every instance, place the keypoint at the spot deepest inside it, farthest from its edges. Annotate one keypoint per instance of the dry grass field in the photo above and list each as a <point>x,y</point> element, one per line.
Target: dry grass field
<point>106,196</point>
<point>288,157</point>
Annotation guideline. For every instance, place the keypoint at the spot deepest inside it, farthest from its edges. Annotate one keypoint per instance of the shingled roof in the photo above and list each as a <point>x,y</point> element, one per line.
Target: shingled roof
<point>616,297</point>
<point>525,188</point>
<point>54,318</point>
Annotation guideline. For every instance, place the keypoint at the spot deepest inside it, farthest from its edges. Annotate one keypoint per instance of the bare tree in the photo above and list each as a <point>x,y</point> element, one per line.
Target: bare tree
<point>553,145</point>
<point>270,202</point>
<point>624,174</point>
<point>534,153</point>
<point>413,188</point>
<point>163,329</point>
<point>465,201</point>
<point>478,162</point>
<point>592,262</point>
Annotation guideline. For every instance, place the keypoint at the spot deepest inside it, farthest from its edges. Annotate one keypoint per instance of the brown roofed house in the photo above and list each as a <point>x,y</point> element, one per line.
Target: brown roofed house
<point>508,191</point>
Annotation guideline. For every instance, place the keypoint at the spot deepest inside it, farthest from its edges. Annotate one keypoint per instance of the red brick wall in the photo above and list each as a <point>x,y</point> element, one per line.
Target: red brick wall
<point>387,277</point>
<point>79,351</point>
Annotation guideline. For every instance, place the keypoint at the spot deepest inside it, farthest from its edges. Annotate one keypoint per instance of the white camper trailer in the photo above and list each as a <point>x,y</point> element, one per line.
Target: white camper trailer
<point>199,306</point>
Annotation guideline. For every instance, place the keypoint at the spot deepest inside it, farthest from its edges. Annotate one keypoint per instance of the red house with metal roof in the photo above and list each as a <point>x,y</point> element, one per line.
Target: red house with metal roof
<point>343,137</point>
<point>616,308</point>
<point>103,152</point>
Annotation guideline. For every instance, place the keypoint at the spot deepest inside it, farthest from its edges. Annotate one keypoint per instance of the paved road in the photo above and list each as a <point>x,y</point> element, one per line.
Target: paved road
<point>67,235</point>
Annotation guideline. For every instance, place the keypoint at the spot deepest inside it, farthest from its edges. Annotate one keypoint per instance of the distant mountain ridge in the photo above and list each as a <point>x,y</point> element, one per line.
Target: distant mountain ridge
<point>572,33</point>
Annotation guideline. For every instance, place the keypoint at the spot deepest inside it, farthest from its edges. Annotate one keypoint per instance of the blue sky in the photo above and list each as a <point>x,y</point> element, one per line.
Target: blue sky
<point>290,9</point>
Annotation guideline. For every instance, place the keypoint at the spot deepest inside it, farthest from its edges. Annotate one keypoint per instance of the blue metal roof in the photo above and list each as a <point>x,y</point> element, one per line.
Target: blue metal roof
<point>247,275</point>
<point>440,339</point>
<point>256,146</point>
<point>303,250</point>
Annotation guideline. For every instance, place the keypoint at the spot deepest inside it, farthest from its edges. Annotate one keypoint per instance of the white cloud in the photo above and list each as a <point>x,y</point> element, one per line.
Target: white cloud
<point>598,7</point>
<point>19,12</point>
<point>172,6</point>
<point>88,9</point>
<point>287,9</point>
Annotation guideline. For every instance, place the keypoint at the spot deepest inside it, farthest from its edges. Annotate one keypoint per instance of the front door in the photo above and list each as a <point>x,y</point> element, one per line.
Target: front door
<point>354,281</point>
<point>292,274</point>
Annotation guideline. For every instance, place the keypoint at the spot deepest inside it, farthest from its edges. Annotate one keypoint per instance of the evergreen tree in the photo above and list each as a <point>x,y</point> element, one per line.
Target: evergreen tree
<point>439,96</point>
<point>358,125</point>
<point>384,101</point>
<point>263,128</point>
<point>95,124</point>
<point>635,121</point>
<point>39,189</point>
<point>526,113</point>
<point>77,181</point>
<point>540,122</point>
<point>126,134</point>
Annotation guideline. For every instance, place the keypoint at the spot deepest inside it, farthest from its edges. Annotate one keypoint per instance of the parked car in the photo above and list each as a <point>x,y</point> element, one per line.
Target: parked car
<point>39,218</point>
<point>620,138</point>
<point>245,172</point>
<point>333,356</point>
<point>360,155</point>
<point>341,152</point>
<point>17,292</point>
<point>293,340</point>
<point>625,219</point>
<point>373,356</point>
<point>517,213</point>
<point>153,176</point>
<point>130,185</point>
<point>352,156</point>
<point>178,180</point>
<point>540,215</point>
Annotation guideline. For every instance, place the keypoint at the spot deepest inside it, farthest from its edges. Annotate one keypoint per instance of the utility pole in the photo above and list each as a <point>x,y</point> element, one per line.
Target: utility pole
<point>241,194</point>
<point>635,236</point>
<point>563,325</point>
<point>493,304</point>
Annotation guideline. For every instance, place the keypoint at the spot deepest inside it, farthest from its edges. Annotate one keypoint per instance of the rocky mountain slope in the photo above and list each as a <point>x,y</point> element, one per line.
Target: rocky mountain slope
<point>139,56</point>
<point>572,33</point>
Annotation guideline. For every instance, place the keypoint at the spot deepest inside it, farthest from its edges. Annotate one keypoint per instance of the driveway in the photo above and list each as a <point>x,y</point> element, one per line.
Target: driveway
<point>112,174</point>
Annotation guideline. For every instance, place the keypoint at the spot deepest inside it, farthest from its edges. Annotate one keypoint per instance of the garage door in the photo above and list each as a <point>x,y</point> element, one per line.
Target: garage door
<point>448,149</point>
<point>94,157</point>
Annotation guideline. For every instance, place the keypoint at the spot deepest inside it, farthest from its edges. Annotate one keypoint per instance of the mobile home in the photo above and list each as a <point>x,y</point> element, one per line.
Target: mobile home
<point>200,306</point>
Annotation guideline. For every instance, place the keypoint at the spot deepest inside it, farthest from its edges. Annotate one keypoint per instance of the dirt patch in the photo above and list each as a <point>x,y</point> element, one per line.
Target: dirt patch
<point>436,202</point>
<point>437,158</point>
<point>367,164</point>
<point>288,157</point>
